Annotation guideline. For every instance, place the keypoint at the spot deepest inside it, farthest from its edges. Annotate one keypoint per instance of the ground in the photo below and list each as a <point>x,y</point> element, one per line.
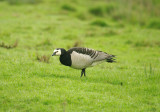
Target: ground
<point>31,80</point>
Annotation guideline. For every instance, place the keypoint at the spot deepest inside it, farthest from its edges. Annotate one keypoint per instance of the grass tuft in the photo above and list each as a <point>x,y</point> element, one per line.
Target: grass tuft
<point>109,9</point>
<point>150,70</point>
<point>143,43</point>
<point>9,46</point>
<point>110,33</point>
<point>82,16</point>
<point>100,23</point>
<point>155,24</point>
<point>147,43</point>
<point>77,43</point>
<point>17,2</point>
<point>68,7</point>
<point>97,11</point>
<point>43,58</point>
<point>70,37</point>
<point>119,17</point>
<point>45,42</point>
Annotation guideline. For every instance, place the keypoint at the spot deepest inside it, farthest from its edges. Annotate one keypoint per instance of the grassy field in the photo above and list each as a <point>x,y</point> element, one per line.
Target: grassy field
<point>33,81</point>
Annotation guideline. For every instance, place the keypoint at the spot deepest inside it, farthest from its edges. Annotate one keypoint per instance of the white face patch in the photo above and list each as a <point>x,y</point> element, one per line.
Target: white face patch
<point>57,52</point>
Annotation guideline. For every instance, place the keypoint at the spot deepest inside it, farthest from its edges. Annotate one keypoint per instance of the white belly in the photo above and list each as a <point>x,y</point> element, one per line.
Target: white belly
<point>80,61</point>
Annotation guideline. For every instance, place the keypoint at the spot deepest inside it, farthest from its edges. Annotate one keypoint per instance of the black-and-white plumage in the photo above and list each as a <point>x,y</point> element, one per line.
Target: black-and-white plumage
<point>81,58</point>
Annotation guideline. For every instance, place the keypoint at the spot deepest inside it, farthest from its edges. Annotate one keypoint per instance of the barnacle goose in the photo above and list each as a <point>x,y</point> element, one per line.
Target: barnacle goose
<point>81,58</point>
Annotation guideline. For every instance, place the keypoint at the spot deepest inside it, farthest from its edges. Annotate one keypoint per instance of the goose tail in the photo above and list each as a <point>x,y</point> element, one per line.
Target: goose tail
<point>111,59</point>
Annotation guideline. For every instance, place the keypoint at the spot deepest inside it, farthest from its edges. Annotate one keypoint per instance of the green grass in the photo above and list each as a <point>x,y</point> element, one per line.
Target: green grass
<point>31,80</point>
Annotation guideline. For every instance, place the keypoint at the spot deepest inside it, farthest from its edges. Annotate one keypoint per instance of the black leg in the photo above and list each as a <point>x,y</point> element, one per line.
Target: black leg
<point>83,72</point>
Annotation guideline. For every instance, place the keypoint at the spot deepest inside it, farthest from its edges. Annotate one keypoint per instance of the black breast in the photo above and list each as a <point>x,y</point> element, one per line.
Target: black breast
<point>65,59</point>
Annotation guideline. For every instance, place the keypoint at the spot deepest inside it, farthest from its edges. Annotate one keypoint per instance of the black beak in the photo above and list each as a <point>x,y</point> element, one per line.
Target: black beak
<point>54,54</point>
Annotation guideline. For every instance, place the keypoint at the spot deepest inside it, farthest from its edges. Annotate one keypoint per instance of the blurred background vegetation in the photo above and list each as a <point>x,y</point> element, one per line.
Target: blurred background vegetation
<point>96,18</point>
<point>144,13</point>
<point>140,12</point>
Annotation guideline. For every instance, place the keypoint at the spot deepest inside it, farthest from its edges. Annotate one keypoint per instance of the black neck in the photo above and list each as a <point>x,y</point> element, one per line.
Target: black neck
<point>65,59</point>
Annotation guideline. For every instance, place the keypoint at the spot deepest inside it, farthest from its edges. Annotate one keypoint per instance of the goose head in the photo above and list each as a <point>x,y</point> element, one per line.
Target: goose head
<point>58,52</point>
